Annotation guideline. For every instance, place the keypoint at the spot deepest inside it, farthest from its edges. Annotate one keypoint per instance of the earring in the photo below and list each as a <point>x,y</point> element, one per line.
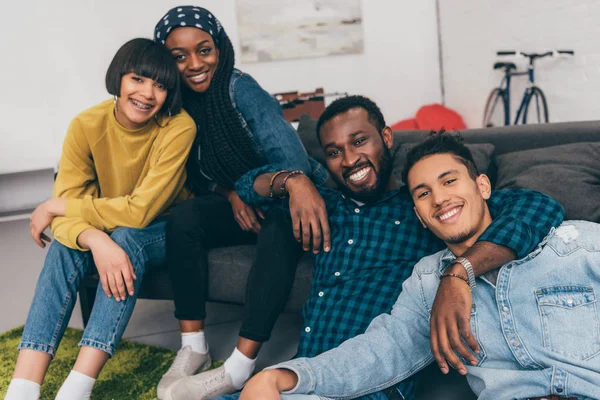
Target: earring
<point>115,101</point>
<point>169,113</point>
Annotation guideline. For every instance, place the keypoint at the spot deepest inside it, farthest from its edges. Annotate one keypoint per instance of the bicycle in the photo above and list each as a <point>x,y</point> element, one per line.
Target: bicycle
<point>497,106</point>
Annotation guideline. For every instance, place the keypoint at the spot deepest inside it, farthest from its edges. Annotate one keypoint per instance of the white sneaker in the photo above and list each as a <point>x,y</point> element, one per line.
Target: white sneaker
<point>203,386</point>
<point>186,363</point>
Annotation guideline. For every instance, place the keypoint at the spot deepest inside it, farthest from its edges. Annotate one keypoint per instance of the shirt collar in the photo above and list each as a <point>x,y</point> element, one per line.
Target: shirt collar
<point>446,258</point>
<point>387,196</point>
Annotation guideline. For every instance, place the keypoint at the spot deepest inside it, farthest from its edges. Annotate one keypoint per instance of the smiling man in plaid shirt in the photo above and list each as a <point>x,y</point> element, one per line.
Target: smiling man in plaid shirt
<point>372,238</point>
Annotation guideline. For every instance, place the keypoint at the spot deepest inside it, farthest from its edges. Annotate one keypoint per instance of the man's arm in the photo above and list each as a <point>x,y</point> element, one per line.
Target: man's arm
<point>246,190</point>
<point>394,347</point>
<point>307,208</point>
<point>521,220</point>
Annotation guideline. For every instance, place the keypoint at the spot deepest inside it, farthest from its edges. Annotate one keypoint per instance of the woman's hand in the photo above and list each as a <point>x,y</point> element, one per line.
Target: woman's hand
<point>112,262</point>
<point>245,215</point>
<point>42,218</point>
<point>309,215</point>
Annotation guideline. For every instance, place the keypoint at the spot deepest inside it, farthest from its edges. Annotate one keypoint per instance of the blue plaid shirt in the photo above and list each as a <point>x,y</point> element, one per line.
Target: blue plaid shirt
<point>374,248</point>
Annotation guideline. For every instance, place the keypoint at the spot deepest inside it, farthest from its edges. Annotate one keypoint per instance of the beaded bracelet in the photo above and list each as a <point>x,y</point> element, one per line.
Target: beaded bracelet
<point>283,171</point>
<point>282,187</point>
<point>462,278</point>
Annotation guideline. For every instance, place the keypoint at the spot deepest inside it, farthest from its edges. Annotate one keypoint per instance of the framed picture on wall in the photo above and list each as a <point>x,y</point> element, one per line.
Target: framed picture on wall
<point>289,29</point>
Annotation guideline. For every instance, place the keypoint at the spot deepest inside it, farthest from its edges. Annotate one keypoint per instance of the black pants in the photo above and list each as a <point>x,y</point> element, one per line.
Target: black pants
<point>207,222</point>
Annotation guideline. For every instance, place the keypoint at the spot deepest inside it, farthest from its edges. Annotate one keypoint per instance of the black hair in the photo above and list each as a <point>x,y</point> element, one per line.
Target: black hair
<point>227,150</point>
<point>344,104</point>
<point>146,58</point>
<point>439,143</point>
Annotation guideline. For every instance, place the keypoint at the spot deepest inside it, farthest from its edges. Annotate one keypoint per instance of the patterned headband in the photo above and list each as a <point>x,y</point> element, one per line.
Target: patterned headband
<point>191,16</point>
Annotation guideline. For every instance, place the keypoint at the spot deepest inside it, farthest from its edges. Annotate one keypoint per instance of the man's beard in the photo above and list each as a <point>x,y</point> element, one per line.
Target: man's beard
<point>467,233</point>
<point>461,237</point>
<point>382,178</point>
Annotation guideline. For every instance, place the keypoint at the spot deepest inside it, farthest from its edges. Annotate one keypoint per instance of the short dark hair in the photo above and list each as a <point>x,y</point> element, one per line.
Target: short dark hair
<point>344,104</point>
<point>439,143</point>
<point>151,60</point>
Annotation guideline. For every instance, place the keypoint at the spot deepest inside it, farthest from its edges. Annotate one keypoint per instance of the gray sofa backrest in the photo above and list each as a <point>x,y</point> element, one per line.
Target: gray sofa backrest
<point>507,139</point>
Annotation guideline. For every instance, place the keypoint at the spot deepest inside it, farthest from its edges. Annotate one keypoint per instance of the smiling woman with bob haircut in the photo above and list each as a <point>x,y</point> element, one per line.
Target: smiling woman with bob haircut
<point>122,166</point>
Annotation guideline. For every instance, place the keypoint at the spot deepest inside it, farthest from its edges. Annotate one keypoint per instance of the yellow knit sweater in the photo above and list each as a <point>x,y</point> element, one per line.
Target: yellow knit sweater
<point>117,177</point>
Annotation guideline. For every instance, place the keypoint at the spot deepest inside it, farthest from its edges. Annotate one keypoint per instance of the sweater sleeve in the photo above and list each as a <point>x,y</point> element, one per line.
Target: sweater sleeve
<point>158,189</point>
<point>76,178</point>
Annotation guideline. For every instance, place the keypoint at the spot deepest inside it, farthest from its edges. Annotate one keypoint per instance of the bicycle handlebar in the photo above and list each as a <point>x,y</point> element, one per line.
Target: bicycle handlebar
<point>534,55</point>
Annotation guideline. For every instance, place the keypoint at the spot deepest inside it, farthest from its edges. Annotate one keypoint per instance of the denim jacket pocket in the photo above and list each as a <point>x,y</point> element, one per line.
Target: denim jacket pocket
<point>475,331</point>
<point>562,308</point>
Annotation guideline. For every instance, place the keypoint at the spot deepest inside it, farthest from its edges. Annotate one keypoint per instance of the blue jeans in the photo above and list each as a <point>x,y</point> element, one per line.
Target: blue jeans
<point>56,291</point>
<point>236,396</point>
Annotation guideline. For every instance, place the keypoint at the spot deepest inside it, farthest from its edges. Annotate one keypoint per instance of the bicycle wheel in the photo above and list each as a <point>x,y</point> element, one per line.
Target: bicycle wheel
<point>493,114</point>
<point>536,109</point>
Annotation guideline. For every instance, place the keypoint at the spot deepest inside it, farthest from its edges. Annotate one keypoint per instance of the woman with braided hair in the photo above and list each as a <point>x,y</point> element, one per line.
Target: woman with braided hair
<point>239,127</point>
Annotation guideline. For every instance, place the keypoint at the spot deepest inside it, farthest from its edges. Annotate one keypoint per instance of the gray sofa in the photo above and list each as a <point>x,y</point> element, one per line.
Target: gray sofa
<point>520,156</point>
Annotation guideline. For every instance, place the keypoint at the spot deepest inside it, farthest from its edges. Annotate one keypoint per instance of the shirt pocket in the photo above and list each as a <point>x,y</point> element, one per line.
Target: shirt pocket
<point>569,319</point>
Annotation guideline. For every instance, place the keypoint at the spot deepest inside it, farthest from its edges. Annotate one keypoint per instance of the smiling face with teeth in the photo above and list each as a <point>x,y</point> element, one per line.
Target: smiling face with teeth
<point>357,155</point>
<point>140,99</point>
<point>196,55</point>
<point>449,201</point>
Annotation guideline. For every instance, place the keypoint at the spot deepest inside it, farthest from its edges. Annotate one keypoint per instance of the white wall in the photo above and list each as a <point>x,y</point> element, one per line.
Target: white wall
<point>55,55</point>
<point>473,30</point>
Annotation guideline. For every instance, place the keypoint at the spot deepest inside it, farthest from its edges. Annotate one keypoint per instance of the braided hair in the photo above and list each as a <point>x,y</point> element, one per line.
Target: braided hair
<point>226,150</point>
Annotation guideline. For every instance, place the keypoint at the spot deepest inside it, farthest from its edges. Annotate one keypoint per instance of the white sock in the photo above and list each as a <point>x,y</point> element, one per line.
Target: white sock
<point>77,386</point>
<point>239,367</point>
<point>196,340</point>
<point>22,389</point>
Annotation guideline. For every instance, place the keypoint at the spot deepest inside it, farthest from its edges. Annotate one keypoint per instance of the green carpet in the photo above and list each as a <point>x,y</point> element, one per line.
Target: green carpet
<point>132,373</point>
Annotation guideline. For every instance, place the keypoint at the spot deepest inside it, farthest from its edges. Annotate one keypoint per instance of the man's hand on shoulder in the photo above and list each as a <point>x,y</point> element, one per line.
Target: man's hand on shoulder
<point>267,385</point>
<point>451,320</point>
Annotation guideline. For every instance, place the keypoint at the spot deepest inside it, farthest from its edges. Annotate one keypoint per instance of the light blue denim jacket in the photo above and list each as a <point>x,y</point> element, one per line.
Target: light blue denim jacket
<point>538,328</point>
<point>275,140</point>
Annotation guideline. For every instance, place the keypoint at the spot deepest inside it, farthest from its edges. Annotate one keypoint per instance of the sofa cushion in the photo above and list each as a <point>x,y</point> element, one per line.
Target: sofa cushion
<point>569,173</point>
<point>482,155</point>
<point>307,130</point>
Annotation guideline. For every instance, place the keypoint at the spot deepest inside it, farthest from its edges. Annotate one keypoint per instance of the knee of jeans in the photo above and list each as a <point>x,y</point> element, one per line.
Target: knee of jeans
<point>128,240</point>
<point>187,221</point>
<point>278,223</point>
<point>57,248</point>
<point>61,256</point>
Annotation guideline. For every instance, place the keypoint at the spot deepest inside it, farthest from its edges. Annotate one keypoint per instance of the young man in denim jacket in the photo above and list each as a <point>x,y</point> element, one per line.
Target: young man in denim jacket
<point>536,322</point>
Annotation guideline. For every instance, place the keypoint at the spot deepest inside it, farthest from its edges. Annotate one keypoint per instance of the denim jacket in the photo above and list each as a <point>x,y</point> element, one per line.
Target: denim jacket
<point>538,328</point>
<point>275,140</point>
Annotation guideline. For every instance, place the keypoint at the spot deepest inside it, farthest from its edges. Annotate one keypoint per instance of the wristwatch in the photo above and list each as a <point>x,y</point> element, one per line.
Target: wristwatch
<point>469,268</point>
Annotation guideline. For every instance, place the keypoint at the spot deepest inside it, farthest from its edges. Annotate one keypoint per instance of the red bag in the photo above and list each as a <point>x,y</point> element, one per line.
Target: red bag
<point>436,116</point>
<point>405,125</point>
